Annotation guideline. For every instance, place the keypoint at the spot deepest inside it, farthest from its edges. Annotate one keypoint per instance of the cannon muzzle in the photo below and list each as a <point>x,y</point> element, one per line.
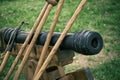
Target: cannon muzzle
<point>85,42</point>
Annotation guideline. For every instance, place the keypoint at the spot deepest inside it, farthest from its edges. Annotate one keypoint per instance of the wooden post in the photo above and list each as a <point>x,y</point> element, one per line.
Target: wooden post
<point>38,30</point>
<point>47,61</point>
<point>26,41</point>
<point>49,36</point>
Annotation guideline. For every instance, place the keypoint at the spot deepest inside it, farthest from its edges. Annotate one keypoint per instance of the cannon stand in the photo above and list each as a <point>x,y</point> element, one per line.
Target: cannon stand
<point>55,70</point>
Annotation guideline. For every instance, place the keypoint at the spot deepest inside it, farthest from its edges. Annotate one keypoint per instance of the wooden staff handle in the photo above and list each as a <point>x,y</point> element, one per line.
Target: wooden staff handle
<point>4,61</point>
<point>26,41</point>
<point>10,46</point>
<point>51,54</point>
<point>38,30</point>
<point>49,36</point>
<point>7,54</point>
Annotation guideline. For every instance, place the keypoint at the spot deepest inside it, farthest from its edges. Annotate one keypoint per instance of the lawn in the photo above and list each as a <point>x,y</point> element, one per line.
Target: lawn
<point>98,15</point>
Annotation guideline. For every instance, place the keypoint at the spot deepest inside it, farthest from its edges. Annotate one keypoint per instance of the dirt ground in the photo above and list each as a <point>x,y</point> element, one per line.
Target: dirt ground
<point>92,61</point>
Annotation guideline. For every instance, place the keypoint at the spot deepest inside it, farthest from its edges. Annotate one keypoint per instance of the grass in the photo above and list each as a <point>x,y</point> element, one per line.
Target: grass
<point>108,71</point>
<point>100,15</point>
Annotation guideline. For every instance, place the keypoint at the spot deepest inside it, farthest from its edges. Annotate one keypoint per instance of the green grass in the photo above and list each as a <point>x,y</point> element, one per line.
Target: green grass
<point>108,70</point>
<point>7,67</point>
<point>99,15</point>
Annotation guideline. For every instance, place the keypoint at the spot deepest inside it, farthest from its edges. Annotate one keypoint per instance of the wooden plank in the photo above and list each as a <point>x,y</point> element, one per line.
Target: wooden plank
<point>82,74</point>
<point>64,56</point>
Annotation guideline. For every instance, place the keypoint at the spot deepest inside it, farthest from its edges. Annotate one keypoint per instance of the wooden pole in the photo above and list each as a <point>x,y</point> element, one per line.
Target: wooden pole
<point>26,41</point>
<point>38,30</point>
<point>68,26</point>
<point>10,46</point>
<point>7,54</point>
<point>49,36</point>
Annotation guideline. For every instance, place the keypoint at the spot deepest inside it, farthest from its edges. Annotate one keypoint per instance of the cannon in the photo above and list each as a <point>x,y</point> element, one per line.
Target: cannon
<point>44,55</point>
<point>84,42</point>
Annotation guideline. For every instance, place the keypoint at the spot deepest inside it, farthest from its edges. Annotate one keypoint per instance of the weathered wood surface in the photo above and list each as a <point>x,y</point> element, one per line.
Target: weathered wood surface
<point>55,69</point>
<point>64,56</point>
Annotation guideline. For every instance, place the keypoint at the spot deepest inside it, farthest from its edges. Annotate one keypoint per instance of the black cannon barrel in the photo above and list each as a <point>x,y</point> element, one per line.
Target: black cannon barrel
<point>84,42</point>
